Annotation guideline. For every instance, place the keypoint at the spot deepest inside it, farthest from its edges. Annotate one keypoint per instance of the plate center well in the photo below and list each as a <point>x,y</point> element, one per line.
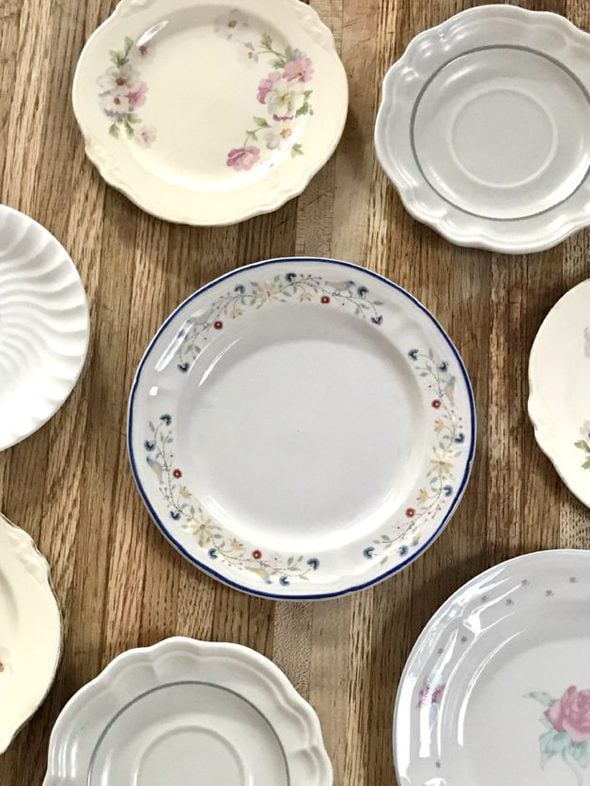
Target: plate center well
<point>206,97</point>
<point>188,732</point>
<point>503,132</point>
<point>304,428</point>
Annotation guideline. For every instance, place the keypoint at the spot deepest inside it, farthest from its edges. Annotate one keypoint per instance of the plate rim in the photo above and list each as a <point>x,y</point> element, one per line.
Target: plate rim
<point>69,262</point>
<point>424,633</point>
<point>43,565</point>
<point>354,587</point>
<point>283,691</point>
<point>462,236</point>
<point>110,173</point>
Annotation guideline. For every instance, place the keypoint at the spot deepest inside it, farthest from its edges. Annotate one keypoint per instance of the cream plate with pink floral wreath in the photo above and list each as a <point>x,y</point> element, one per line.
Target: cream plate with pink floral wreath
<point>30,630</point>
<point>209,112</point>
<point>301,428</point>
<point>559,382</point>
<point>496,691</point>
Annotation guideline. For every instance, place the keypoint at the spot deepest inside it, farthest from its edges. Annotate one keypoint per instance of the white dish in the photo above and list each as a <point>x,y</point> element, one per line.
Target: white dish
<point>559,381</point>
<point>186,711</point>
<point>210,112</point>
<point>484,128</point>
<point>496,691</point>
<point>44,326</point>
<point>301,428</point>
<point>30,630</point>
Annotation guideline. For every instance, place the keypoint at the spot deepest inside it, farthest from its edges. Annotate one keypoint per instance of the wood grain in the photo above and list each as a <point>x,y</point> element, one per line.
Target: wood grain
<point>69,485</point>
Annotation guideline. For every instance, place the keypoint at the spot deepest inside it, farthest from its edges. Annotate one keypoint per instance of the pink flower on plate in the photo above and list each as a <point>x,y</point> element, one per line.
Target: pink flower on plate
<point>137,95</point>
<point>266,85</point>
<point>243,158</point>
<point>145,136</point>
<point>300,69</point>
<point>571,714</point>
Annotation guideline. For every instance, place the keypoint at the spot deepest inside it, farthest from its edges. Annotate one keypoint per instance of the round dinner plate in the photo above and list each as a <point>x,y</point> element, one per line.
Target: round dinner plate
<point>210,112</point>
<point>186,711</point>
<point>496,691</point>
<point>484,128</point>
<point>30,630</point>
<point>559,381</point>
<point>44,326</point>
<point>301,428</point>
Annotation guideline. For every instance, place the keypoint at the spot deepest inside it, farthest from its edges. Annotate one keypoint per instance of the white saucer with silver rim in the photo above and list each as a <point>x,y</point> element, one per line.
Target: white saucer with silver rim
<point>484,128</point>
<point>186,711</point>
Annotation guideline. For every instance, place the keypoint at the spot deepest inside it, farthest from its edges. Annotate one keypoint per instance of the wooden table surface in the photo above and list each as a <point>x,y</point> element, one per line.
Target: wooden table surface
<point>119,584</point>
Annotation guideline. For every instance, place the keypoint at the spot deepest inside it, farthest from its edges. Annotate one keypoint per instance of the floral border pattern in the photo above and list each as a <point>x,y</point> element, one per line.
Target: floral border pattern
<point>292,287</point>
<point>567,721</point>
<point>284,92</point>
<point>450,436</point>
<point>210,536</point>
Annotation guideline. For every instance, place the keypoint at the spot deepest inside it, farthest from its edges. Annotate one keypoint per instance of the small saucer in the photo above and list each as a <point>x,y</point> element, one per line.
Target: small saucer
<point>484,128</point>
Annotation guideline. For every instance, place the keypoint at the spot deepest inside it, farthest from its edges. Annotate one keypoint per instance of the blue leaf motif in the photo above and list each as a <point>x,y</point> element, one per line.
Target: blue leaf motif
<point>403,550</point>
<point>149,445</point>
<point>174,514</point>
<point>167,419</point>
<point>368,552</point>
<point>443,366</point>
<point>284,581</point>
<point>212,553</point>
<point>413,353</point>
<point>460,438</point>
<point>291,277</point>
<point>183,366</point>
<point>448,490</point>
<point>240,288</point>
<point>377,320</point>
<point>362,291</point>
<point>313,562</point>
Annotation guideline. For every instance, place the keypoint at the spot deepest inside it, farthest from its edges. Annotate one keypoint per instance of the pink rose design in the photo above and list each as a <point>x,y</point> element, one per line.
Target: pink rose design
<point>243,158</point>
<point>299,70</point>
<point>571,714</point>
<point>146,136</point>
<point>137,95</point>
<point>266,85</point>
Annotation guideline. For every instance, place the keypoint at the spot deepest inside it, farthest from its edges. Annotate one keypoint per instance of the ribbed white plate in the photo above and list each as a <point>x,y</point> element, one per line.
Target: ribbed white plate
<point>559,384</point>
<point>210,112</point>
<point>484,128</point>
<point>44,326</point>
<point>30,630</point>
<point>188,712</point>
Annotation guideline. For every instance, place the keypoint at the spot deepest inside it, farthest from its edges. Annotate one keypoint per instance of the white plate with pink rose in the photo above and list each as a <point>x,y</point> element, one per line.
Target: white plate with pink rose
<point>496,691</point>
<point>208,112</point>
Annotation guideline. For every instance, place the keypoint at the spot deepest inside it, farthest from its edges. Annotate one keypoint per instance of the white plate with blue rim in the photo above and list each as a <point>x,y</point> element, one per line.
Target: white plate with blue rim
<point>185,712</point>
<point>301,428</point>
<point>496,690</point>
